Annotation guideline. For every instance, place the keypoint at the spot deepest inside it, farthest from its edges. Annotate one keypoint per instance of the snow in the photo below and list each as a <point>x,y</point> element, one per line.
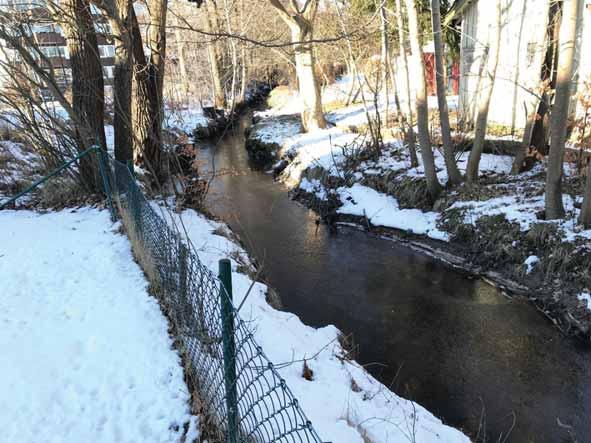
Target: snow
<point>328,150</point>
<point>323,149</point>
<point>338,413</point>
<point>383,210</point>
<point>585,297</point>
<point>530,262</point>
<point>514,208</point>
<point>314,187</point>
<point>86,351</point>
<point>277,130</point>
<point>185,119</point>
<point>110,138</point>
<point>523,210</point>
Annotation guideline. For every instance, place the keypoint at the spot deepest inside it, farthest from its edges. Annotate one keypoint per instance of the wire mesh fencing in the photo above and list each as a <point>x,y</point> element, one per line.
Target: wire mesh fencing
<point>244,397</point>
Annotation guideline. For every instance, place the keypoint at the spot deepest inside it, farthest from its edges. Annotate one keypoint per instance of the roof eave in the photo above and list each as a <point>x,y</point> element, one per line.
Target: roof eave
<point>456,11</point>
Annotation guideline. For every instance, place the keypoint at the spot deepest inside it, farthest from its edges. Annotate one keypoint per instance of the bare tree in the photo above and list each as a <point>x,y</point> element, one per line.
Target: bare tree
<point>30,72</point>
<point>409,133</point>
<point>531,111</point>
<point>485,97</point>
<point>147,99</point>
<point>87,74</point>
<point>453,172</point>
<point>386,62</point>
<point>120,15</point>
<point>182,58</point>
<point>559,114</point>
<point>301,24</point>
<point>421,102</point>
<point>212,26</point>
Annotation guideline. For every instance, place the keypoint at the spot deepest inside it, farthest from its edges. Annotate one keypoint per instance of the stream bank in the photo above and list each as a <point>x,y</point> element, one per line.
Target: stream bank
<point>495,230</point>
<point>453,343</point>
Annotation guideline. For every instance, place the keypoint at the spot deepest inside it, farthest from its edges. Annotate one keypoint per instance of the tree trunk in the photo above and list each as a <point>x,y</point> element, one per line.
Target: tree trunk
<point>541,128</point>
<point>559,115</point>
<point>531,112</point>
<point>243,57</point>
<point>122,85</point>
<point>212,25</point>
<point>421,102</point>
<point>182,54</point>
<point>308,85</point>
<point>243,74</point>
<point>585,215</point>
<point>385,55</point>
<point>87,84</point>
<point>300,24</point>
<point>453,172</point>
<point>147,91</point>
<point>410,133</point>
<point>484,101</point>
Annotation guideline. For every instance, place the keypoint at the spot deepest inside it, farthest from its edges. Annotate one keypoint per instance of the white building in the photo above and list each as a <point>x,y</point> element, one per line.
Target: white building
<point>526,40</point>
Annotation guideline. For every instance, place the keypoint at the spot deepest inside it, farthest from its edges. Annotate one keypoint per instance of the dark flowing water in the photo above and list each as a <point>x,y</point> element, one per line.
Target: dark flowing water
<point>455,345</point>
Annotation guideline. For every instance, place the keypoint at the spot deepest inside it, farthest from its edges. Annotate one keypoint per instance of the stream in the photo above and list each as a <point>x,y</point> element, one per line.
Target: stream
<point>480,361</point>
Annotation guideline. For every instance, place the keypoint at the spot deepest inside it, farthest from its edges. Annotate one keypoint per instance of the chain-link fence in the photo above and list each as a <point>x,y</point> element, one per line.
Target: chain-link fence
<point>244,397</point>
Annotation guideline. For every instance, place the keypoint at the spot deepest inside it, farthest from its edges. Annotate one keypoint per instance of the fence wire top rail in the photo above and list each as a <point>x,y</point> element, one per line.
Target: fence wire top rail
<point>245,398</point>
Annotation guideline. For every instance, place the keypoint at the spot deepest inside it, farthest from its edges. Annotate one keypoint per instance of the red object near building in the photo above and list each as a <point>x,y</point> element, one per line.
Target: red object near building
<point>452,79</point>
<point>429,59</point>
<point>455,78</point>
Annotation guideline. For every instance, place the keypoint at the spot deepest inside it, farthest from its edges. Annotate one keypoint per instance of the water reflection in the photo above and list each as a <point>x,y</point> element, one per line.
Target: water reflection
<point>456,345</point>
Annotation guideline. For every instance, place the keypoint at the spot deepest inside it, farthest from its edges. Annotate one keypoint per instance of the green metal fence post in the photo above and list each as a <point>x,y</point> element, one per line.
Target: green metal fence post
<point>183,274</point>
<point>103,170</point>
<point>229,344</point>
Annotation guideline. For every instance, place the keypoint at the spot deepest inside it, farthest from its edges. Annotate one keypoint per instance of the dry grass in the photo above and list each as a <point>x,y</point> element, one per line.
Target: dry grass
<point>61,192</point>
<point>142,256</point>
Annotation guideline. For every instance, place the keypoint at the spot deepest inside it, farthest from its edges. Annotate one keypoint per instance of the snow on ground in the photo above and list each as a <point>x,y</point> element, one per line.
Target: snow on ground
<point>530,263</point>
<point>585,297</point>
<point>523,210</point>
<point>185,119</point>
<point>344,403</point>
<point>383,210</point>
<point>110,137</point>
<point>86,351</point>
<point>328,150</point>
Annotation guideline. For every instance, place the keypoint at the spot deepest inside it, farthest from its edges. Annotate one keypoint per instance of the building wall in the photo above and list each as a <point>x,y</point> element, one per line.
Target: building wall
<point>522,48</point>
<point>49,37</point>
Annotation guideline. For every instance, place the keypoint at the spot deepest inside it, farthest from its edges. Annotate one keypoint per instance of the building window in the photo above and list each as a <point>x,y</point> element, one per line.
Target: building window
<point>109,71</point>
<point>106,51</point>
<point>41,28</point>
<point>55,51</point>
<point>102,28</point>
<point>63,75</point>
<point>22,5</point>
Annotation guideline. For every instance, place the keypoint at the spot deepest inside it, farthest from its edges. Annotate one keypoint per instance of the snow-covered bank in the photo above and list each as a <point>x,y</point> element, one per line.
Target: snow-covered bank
<point>86,351</point>
<point>344,403</point>
<point>334,172</point>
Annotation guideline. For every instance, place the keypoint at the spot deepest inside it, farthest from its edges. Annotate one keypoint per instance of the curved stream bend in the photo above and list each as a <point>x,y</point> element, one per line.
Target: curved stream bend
<point>453,344</point>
